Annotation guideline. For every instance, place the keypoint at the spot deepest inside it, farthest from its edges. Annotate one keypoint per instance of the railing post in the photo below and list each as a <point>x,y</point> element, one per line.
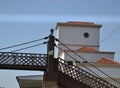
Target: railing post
<point>50,52</point>
<point>50,75</point>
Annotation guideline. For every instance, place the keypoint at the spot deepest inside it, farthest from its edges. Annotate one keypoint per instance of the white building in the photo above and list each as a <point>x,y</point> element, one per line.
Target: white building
<point>78,34</point>
<point>83,39</point>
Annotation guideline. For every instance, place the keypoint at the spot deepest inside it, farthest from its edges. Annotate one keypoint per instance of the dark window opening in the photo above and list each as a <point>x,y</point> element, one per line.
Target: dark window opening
<point>86,35</point>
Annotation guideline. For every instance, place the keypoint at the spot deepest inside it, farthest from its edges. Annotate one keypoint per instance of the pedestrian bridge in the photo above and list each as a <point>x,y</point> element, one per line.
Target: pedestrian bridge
<point>73,76</point>
<point>23,61</point>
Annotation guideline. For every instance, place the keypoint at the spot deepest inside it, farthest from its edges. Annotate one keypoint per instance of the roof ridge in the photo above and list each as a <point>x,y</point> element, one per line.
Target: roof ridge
<point>86,48</point>
<point>106,60</point>
<point>77,22</point>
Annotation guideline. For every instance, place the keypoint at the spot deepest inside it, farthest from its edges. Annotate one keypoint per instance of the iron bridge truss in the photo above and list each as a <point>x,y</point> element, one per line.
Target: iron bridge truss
<point>23,61</point>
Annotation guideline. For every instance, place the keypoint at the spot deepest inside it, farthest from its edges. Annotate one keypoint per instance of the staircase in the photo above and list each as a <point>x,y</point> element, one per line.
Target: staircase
<point>78,76</point>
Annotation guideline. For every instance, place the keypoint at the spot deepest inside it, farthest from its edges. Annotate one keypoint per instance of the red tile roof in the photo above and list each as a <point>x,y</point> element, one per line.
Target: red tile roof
<point>80,24</point>
<point>75,22</point>
<point>86,49</point>
<point>105,60</point>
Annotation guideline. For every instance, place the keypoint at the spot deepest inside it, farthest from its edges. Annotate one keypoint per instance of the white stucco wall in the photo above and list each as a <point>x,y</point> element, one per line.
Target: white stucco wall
<point>74,35</point>
<point>111,70</point>
<point>90,57</point>
<point>74,38</point>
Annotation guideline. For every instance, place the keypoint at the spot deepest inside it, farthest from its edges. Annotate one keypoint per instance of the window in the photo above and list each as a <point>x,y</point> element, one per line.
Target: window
<point>86,35</point>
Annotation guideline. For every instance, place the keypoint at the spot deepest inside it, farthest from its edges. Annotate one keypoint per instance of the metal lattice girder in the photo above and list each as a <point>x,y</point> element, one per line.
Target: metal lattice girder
<point>81,75</point>
<point>23,61</point>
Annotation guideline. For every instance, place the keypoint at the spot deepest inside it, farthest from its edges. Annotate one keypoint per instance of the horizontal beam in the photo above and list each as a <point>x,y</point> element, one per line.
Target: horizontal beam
<point>23,61</point>
<point>23,67</point>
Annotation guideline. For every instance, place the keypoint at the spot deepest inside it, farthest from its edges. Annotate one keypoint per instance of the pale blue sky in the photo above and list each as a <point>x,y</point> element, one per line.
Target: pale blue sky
<point>25,20</point>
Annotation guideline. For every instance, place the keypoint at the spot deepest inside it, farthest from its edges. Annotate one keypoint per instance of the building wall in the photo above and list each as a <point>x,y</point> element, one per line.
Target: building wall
<point>90,57</point>
<point>112,70</point>
<point>74,38</point>
<point>75,35</point>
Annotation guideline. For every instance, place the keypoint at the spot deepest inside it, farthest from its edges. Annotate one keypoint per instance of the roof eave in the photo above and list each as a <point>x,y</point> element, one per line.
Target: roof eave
<point>77,25</point>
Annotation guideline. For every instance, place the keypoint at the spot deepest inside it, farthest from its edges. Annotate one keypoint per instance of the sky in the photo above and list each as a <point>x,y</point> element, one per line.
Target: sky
<point>26,20</point>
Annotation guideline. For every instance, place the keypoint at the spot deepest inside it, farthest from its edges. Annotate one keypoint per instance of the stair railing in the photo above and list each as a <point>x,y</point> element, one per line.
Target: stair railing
<point>83,76</point>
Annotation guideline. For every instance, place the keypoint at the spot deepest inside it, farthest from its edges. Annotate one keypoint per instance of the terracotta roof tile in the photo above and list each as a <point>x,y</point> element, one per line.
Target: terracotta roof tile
<point>105,60</point>
<point>86,49</point>
<point>79,24</point>
<point>75,22</point>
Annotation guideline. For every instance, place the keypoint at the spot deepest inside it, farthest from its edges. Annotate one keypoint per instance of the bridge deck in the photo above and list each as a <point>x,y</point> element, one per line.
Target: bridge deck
<point>23,61</point>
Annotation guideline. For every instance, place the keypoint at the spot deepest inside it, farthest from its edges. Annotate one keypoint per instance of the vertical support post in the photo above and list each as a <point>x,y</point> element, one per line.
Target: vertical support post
<point>50,75</point>
<point>50,52</point>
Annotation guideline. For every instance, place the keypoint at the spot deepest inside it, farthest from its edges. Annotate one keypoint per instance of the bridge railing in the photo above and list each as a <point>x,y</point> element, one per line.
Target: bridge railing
<point>83,76</point>
<point>24,59</point>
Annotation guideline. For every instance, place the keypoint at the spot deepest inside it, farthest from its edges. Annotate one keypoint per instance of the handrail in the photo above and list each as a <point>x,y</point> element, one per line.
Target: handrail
<point>10,58</point>
<point>83,76</point>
